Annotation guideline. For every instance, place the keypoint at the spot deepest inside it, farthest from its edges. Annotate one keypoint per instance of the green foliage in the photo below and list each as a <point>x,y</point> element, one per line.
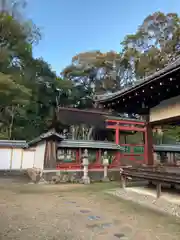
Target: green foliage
<point>30,90</point>
<point>28,86</point>
<point>154,45</point>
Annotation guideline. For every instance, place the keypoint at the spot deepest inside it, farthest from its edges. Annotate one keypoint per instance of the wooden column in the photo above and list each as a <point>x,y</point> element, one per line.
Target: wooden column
<point>50,154</point>
<point>148,151</point>
<point>54,154</point>
<point>80,156</point>
<point>117,136</point>
<point>77,156</point>
<point>98,156</point>
<point>117,141</point>
<point>46,156</point>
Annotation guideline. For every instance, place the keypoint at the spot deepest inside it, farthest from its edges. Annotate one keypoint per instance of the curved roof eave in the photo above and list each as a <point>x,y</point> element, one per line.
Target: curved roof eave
<point>155,76</point>
<point>43,137</point>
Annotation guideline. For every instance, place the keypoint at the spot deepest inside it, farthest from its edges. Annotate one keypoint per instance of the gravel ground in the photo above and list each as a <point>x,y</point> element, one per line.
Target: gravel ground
<point>77,212</point>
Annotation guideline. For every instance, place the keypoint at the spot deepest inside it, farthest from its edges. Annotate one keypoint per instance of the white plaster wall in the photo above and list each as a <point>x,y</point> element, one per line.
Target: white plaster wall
<point>28,159</point>
<point>16,158</point>
<point>5,158</point>
<point>39,155</point>
<point>166,109</point>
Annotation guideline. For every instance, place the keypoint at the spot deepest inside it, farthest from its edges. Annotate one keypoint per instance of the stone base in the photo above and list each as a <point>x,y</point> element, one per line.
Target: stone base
<point>42,181</point>
<point>86,180</point>
<point>57,177</point>
<point>105,179</point>
<point>35,174</point>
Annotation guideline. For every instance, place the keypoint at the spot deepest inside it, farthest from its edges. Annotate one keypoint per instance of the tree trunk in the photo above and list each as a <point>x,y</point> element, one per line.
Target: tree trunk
<point>90,133</point>
<point>12,122</point>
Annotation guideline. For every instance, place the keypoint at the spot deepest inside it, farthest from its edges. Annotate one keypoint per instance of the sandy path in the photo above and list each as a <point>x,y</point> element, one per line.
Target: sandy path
<point>67,212</point>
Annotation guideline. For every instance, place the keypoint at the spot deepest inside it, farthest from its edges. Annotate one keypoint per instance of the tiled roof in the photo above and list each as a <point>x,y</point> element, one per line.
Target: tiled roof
<point>166,70</point>
<point>90,144</point>
<point>45,136</point>
<point>167,148</point>
<point>13,143</point>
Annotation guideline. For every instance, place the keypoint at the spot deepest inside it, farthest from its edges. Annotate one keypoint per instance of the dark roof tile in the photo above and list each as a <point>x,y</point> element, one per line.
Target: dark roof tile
<point>13,143</point>
<point>166,70</point>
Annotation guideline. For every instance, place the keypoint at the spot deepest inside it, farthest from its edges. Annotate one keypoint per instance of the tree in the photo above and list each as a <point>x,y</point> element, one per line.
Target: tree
<point>48,91</point>
<point>14,49</point>
<point>16,42</point>
<point>31,90</point>
<point>153,46</point>
<point>13,8</point>
<point>95,71</point>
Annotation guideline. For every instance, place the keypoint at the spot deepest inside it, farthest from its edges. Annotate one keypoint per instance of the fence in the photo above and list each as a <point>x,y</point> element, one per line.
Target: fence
<point>16,158</point>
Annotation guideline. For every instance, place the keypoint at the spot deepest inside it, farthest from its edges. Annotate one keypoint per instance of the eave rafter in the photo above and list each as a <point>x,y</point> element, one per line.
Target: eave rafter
<point>141,98</point>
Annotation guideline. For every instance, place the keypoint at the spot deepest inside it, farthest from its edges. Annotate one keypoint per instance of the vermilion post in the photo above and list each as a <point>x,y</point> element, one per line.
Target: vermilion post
<point>117,136</point>
<point>77,155</point>
<point>99,156</point>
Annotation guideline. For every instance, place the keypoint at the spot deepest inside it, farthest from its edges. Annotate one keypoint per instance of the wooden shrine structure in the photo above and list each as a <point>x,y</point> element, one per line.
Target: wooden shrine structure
<point>156,99</point>
<point>55,152</point>
<point>109,128</point>
<point>103,132</point>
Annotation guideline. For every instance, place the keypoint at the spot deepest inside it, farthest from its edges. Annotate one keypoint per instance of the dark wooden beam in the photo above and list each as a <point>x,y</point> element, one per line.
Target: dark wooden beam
<point>150,94</point>
<point>50,157</point>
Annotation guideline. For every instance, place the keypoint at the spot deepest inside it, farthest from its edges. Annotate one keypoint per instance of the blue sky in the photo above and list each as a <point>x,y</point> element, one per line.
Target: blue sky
<point>72,26</point>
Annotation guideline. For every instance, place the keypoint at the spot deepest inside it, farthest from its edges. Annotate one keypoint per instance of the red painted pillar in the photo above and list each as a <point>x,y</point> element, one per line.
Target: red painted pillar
<point>77,156</point>
<point>99,156</point>
<point>117,136</point>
